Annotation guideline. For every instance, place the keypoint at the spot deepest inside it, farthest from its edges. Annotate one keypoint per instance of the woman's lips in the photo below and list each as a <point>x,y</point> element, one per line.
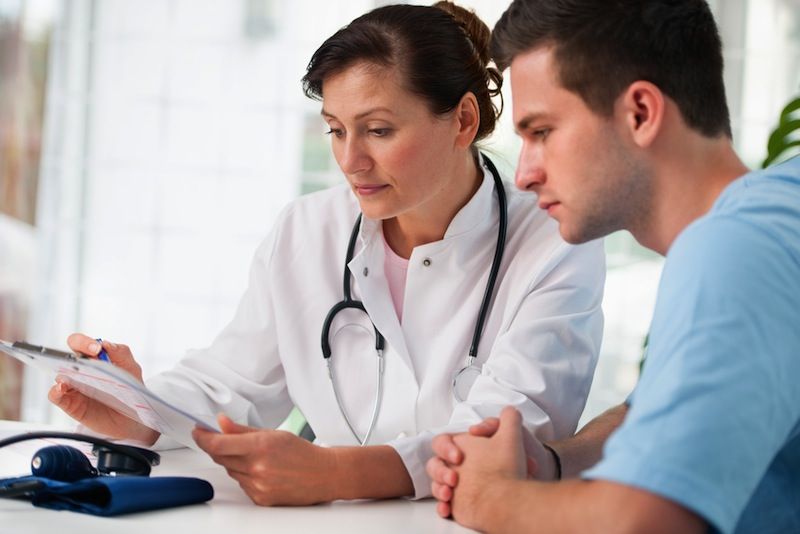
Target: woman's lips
<point>366,190</point>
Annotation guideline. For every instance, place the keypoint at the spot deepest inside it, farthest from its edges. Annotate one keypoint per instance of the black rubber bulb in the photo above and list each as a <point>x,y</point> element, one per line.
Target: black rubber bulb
<point>60,462</point>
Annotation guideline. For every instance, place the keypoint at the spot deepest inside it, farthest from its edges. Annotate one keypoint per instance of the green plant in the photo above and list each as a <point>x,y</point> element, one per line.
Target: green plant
<point>785,139</point>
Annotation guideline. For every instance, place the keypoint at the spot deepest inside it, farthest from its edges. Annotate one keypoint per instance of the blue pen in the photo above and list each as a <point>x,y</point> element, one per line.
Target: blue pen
<point>102,355</point>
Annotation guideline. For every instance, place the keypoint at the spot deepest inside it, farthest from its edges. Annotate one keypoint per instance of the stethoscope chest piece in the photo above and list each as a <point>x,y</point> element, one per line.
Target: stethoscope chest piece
<point>464,378</point>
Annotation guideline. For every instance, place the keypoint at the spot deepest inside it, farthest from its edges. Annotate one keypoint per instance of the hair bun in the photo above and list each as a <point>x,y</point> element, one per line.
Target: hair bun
<point>477,31</point>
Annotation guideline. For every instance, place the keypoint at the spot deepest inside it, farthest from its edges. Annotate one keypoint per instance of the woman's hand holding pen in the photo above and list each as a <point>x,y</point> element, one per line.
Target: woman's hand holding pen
<point>93,414</point>
<point>273,467</point>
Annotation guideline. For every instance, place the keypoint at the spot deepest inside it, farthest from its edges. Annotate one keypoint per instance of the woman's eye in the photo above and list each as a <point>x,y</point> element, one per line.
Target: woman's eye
<point>335,132</point>
<point>380,132</point>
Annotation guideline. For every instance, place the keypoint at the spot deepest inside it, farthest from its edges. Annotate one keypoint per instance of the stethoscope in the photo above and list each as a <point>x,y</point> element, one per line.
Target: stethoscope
<point>350,303</point>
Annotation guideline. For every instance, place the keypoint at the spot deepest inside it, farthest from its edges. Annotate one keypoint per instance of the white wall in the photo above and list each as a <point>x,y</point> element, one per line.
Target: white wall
<point>174,131</point>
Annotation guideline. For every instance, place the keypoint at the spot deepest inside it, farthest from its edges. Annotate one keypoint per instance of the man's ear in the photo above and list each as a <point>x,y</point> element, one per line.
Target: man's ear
<point>642,106</point>
<point>468,119</point>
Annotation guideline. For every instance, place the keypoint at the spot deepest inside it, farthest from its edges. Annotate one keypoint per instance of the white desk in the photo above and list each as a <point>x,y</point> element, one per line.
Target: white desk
<point>230,512</point>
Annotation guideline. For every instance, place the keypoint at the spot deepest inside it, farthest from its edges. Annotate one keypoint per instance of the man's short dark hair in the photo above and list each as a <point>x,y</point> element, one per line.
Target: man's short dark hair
<point>602,46</point>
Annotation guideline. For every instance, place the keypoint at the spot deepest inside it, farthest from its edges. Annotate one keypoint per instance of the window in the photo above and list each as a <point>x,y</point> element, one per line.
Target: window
<point>25,35</point>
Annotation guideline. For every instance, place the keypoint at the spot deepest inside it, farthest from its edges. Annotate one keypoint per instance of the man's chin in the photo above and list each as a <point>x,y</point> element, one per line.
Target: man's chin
<point>567,233</point>
<point>576,236</point>
<point>572,240</point>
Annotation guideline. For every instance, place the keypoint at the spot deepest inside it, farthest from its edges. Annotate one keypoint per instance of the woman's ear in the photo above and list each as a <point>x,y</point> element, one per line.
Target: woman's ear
<point>468,118</point>
<point>642,106</point>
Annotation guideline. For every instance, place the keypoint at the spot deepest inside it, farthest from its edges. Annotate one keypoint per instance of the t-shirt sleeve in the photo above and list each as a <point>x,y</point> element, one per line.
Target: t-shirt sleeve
<point>718,395</point>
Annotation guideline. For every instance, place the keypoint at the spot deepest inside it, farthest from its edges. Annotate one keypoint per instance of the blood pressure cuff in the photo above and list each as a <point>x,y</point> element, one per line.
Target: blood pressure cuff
<point>111,496</point>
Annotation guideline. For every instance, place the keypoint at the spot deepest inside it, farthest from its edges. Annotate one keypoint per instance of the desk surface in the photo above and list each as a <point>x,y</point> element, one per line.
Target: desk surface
<point>229,511</point>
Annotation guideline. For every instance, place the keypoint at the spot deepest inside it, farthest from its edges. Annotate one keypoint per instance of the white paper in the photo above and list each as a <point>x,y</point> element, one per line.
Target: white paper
<point>117,389</point>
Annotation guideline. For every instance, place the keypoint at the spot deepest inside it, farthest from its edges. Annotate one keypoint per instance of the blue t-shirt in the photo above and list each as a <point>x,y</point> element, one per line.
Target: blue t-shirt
<point>714,421</point>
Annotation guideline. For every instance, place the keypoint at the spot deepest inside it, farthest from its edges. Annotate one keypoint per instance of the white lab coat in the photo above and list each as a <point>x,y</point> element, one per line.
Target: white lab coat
<point>538,352</point>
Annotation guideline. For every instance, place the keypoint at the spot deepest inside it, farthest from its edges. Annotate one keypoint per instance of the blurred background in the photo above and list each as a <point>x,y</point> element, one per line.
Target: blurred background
<point>147,145</point>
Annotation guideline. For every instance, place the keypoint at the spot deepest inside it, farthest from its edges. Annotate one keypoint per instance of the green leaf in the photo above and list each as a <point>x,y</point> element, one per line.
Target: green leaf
<point>786,135</point>
<point>785,151</point>
<point>790,108</point>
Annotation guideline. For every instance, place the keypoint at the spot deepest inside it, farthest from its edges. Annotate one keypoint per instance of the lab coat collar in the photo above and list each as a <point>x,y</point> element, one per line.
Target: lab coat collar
<point>366,268</point>
<point>478,211</point>
<point>367,263</point>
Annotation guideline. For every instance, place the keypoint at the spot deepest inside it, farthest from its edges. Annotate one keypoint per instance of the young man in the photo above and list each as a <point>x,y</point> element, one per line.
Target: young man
<point>622,112</point>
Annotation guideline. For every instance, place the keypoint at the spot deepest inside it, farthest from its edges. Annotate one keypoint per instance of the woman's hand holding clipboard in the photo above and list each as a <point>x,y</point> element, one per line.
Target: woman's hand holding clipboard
<point>89,411</point>
<point>108,396</point>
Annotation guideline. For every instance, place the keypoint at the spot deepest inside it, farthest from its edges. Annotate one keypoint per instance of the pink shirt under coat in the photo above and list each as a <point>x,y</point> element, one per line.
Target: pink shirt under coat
<point>395,269</point>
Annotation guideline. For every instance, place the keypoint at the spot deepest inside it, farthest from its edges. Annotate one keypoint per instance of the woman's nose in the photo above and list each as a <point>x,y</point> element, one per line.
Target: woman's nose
<point>353,158</point>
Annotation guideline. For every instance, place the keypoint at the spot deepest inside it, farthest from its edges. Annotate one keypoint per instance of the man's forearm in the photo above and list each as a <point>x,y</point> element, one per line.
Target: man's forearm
<point>530,506</point>
<point>375,472</point>
<point>583,450</point>
<point>575,506</point>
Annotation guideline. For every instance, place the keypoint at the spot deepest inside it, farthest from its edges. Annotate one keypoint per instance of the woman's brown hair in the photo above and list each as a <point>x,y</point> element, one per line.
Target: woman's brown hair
<point>442,53</point>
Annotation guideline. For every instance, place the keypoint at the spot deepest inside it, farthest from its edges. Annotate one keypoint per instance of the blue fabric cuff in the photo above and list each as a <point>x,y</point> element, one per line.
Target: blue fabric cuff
<point>111,496</point>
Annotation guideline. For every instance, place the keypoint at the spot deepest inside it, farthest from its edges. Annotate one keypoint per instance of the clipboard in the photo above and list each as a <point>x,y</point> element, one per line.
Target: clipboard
<point>114,387</point>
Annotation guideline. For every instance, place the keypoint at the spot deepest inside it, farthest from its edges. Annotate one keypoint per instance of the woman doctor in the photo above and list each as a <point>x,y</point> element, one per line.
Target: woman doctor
<point>406,93</point>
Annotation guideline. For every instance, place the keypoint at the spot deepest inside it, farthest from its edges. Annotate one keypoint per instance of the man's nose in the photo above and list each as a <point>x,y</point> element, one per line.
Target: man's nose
<point>530,172</point>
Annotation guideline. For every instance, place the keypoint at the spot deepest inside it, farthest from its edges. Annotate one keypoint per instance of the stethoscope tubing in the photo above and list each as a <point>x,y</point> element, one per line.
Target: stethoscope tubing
<point>348,302</point>
<point>498,258</point>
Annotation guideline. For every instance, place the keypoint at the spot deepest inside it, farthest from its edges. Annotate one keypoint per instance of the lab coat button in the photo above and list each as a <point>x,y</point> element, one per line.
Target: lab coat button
<point>366,271</point>
<point>426,262</point>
